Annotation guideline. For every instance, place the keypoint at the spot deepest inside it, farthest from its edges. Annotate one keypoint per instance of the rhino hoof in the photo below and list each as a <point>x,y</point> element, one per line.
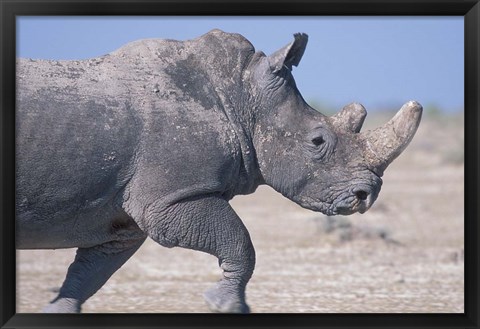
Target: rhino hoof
<point>63,305</point>
<point>220,302</point>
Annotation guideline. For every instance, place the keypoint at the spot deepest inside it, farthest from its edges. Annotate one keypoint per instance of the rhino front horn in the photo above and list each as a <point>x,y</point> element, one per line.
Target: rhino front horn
<point>385,143</point>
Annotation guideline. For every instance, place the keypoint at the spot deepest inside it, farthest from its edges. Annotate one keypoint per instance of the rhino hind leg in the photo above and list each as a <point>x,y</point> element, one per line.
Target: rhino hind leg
<point>89,271</point>
<point>210,225</point>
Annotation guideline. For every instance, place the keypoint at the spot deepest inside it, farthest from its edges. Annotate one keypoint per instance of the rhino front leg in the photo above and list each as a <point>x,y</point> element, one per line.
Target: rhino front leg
<point>89,271</point>
<point>210,225</point>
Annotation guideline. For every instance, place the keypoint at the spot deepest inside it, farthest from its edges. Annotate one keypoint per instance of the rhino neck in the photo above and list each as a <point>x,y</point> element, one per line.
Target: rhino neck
<point>242,120</point>
<point>265,156</point>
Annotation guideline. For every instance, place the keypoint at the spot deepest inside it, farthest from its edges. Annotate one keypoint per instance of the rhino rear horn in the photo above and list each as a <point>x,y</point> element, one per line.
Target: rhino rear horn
<point>351,117</point>
<point>290,55</point>
<point>387,142</point>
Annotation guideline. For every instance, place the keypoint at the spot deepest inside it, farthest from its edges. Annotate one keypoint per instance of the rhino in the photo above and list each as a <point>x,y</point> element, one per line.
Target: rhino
<point>154,139</point>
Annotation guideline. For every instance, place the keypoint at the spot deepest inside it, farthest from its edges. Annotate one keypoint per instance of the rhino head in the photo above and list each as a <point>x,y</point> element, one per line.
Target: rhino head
<point>322,163</point>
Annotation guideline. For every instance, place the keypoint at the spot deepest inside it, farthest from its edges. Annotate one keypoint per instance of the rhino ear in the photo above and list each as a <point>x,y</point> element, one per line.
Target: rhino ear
<point>289,55</point>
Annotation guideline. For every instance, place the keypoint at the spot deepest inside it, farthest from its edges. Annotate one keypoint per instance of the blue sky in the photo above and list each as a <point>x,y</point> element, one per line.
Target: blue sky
<point>381,62</point>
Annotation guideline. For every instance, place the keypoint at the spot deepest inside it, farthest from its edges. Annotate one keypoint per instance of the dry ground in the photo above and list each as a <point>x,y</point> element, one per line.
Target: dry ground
<point>404,255</point>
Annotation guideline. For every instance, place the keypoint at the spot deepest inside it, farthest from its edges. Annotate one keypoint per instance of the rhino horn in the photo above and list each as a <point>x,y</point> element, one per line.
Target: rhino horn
<point>350,118</point>
<point>385,143</point>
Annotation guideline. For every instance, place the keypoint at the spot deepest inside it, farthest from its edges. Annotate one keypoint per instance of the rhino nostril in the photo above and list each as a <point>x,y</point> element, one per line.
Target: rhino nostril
<point>361,195</point>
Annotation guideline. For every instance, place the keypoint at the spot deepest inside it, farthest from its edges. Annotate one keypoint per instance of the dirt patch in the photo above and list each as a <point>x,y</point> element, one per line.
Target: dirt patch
<point>404,255</point>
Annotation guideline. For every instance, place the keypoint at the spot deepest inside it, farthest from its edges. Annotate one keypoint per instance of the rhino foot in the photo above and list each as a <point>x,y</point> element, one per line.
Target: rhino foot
<point>63,305</point>
<point>221,300</point>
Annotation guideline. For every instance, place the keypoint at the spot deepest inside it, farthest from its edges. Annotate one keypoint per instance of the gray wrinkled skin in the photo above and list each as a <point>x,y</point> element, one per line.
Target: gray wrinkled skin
<point>155,138</point>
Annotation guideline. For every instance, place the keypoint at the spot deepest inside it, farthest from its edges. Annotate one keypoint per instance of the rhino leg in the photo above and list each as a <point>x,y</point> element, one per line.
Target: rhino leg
<point>89,271</point>
<point>210,225</point>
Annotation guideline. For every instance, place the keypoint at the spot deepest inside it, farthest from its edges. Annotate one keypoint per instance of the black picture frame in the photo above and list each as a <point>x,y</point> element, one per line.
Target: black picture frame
<point>470,9</point>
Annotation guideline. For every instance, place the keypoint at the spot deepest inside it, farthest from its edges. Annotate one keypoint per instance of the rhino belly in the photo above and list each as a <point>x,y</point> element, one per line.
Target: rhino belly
<point>80,229</point>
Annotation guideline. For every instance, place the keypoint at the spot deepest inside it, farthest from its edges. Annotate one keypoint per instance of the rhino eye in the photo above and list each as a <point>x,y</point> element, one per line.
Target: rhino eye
<point>317,141</point>
<point>320,143</point>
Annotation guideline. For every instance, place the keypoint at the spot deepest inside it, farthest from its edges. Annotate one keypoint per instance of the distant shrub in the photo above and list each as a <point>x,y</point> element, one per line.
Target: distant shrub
<point>345,231</point>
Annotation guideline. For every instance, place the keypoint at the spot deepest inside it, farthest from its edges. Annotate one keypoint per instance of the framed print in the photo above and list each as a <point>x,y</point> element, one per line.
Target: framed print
<point>174,164</point>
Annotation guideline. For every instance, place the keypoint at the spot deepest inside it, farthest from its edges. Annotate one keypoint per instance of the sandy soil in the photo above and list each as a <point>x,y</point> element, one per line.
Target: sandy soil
<point>404,255</point>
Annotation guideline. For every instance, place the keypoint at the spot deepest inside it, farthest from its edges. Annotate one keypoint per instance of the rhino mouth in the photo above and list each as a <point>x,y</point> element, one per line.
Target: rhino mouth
<point>342,210</point>
<point>358,199</point>
<point>332,209</point>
